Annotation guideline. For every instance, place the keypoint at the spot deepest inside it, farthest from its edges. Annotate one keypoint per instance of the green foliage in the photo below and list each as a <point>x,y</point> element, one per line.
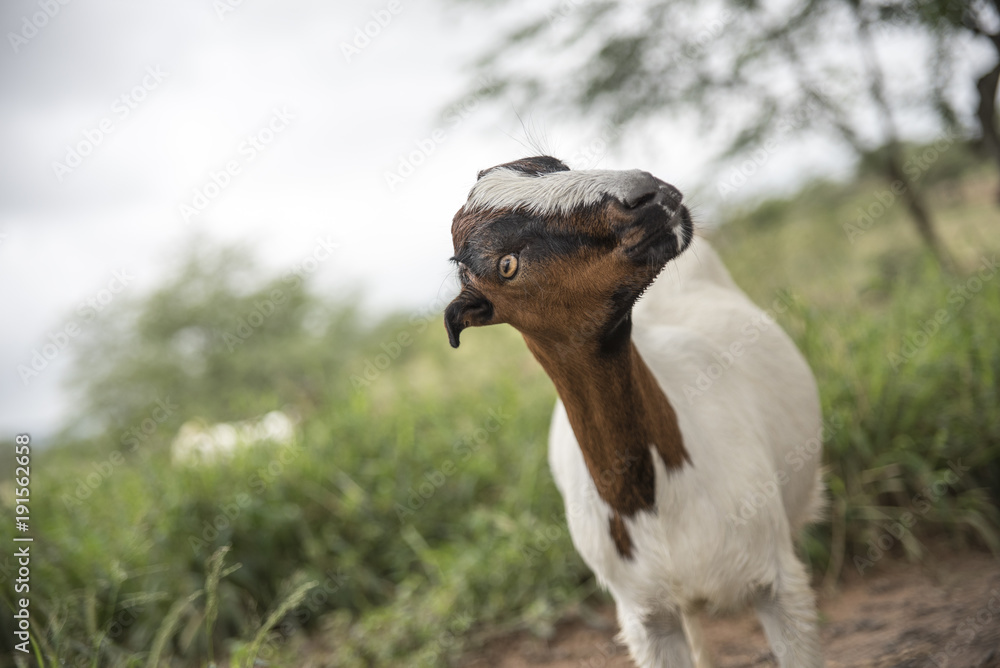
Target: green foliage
<point>414,510</point>
<point>948,161</point>
<point>206,340</point>
<point>412,492</point>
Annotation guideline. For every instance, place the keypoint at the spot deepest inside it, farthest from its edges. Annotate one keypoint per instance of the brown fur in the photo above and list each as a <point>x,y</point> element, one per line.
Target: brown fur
<point>571,299</point>
<point>617,411</point>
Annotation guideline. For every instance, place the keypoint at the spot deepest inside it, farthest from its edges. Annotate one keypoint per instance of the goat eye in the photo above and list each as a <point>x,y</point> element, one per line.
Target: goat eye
<point>508,266</point>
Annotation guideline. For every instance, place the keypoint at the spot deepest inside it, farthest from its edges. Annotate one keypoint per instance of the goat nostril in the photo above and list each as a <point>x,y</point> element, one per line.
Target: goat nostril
<point>643,189</point>
<point>633,202</point>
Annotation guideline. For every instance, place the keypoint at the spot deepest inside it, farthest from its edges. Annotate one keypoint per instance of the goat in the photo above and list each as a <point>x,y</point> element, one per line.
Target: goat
<point>200,443</point>
<point>656,488</point>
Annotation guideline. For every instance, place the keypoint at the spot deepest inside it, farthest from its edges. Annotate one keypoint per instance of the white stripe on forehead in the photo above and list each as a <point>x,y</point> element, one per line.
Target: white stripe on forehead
<point>552,193</point>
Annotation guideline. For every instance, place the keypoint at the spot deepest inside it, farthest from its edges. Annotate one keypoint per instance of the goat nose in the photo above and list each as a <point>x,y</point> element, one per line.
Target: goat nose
<point>646,189</point>
<point>642,190</point>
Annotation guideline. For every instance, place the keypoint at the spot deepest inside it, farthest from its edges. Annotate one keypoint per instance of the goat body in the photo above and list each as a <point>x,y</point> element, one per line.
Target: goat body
<point>721,533</point>
<point>687,437</point>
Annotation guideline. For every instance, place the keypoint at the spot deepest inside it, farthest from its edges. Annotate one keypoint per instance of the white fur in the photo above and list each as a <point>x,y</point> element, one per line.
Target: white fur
<point>200,443</point>
<point>552,193</point>
<point>703,548</point>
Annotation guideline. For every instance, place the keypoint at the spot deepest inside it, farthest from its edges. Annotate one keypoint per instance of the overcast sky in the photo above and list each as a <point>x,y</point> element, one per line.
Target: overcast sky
<point>130,128</point>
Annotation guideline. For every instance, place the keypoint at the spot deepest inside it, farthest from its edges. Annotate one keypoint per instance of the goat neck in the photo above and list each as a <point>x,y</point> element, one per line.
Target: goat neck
<point>620,416</point>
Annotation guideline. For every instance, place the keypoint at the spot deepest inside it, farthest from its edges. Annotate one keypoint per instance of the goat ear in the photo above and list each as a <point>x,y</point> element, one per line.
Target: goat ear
<point>469,309</point>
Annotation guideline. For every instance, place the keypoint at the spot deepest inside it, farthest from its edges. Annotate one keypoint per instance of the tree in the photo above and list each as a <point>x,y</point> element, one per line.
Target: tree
<point>217,341</point>
<point>949,22</point>
<point>779,75</point>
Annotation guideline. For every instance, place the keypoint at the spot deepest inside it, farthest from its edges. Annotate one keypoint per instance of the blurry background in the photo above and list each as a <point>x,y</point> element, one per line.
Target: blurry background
<point>219,211</point>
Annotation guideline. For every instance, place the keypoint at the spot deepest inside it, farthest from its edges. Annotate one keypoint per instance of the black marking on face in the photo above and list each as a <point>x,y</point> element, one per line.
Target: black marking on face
<point>514,232</point>
<point>535,166</point>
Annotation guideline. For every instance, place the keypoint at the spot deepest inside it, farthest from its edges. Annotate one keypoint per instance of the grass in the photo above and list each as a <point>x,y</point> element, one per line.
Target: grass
<point>414,512</point>
<point>906,358</point>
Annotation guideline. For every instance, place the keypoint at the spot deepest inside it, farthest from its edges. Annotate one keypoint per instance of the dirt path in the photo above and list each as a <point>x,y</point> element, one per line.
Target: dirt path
<point>944,614</point>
